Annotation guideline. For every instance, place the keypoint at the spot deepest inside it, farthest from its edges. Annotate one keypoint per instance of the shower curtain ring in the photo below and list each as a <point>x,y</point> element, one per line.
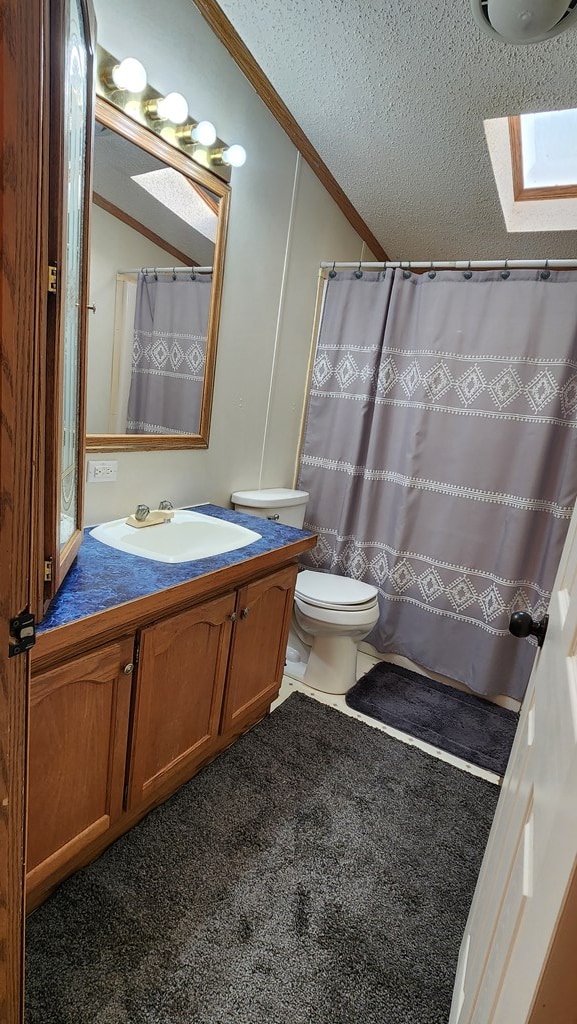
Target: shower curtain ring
<point>192,274</point>
<point>358,271</point>
<point>505,273</point>
<point>432,273</point>
<point>155,274</point>
<point>468,273</point>
<point>545,274</point>
<point>174,273</point>
<point>332,271</point>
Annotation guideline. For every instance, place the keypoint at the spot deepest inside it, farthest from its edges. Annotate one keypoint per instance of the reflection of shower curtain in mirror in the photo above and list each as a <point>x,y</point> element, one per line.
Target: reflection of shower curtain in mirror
<point>168,357</point>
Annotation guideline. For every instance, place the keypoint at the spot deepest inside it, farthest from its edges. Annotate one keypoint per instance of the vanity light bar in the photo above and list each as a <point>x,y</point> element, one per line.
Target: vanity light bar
<point>124,84</point>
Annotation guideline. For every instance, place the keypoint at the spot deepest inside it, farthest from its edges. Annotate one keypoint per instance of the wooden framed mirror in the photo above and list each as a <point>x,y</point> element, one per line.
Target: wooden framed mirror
<point>158,231</point>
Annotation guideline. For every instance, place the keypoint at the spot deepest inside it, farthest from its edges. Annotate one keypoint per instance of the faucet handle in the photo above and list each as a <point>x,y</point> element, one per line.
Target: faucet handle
<point>166,505</point>
<point>142,513</point>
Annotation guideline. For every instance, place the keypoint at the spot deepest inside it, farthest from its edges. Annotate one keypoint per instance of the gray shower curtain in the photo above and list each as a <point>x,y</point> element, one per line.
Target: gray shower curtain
<point>168,356</point>
<point>440,457</point>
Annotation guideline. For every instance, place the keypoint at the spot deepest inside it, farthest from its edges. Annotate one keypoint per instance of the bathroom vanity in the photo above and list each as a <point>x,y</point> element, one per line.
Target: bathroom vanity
<point>142,672</point>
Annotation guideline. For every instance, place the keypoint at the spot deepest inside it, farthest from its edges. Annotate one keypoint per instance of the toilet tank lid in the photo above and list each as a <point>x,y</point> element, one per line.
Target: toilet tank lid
<point>273,497</point>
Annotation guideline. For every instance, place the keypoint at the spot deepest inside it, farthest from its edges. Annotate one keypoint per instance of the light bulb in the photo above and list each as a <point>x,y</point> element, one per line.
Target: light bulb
<point>130,75</point>
<point>173,108</point>
<point>204,132</point>
<point>235,156</point>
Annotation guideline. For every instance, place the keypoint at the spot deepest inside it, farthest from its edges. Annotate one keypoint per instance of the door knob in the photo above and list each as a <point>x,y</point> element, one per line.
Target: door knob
<point>521,624</point>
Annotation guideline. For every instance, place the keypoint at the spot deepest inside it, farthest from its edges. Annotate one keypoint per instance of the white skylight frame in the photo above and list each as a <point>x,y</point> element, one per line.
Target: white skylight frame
<point>175,191</point>
<point>528,212</point>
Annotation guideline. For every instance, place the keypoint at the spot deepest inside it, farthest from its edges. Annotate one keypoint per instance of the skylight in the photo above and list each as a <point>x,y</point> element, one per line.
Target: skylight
<point>536,208</point>
<point>549,149</point>
<point>176,192</point>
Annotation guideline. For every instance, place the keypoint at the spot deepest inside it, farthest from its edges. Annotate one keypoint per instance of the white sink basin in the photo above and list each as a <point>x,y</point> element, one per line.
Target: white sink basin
<point>185,537</point>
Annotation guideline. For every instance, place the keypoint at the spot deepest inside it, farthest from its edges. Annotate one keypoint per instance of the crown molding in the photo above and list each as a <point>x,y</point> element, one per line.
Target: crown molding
<point>230,38</point>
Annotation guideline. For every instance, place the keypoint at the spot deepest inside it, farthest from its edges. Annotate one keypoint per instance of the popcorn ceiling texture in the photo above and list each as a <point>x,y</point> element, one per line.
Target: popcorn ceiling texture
<point>393,97</point>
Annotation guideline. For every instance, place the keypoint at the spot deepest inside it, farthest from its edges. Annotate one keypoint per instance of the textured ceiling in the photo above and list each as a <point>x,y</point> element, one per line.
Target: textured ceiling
<point>393,97</point>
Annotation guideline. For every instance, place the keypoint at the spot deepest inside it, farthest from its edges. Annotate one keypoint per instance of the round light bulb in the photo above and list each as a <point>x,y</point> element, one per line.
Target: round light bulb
<point>173,108</point>
<point>234,155</point>
<point>130,75</point>
<point>204,132</point>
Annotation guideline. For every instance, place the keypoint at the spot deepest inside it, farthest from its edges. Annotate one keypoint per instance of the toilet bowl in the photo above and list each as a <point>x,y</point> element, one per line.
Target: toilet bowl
<point>332,614</point>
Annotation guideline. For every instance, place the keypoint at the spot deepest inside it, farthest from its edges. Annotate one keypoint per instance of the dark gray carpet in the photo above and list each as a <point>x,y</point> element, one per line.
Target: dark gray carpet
<point>317,871</point>
<point>460,723</point>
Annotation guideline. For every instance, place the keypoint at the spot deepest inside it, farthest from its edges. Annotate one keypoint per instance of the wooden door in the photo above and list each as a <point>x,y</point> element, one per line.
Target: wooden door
<point>78,742</point>
<point>516,917</point>
<point>264,611</point>
<point>20,159</point>
<point>179,687</point>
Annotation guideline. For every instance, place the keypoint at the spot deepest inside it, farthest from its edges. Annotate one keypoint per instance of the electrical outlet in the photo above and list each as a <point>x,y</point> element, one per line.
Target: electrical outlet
<point>101,472</point>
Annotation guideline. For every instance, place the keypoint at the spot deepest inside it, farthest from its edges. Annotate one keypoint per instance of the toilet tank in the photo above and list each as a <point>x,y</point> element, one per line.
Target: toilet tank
<point>279,503</point>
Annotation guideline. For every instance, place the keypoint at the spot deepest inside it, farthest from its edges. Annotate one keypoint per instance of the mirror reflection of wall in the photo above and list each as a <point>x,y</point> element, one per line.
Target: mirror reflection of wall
<point>147,333</point>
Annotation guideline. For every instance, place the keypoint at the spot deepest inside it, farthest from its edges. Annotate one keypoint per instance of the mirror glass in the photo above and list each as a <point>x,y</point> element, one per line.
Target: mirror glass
<point>156,256</point>
<point>74,121</point>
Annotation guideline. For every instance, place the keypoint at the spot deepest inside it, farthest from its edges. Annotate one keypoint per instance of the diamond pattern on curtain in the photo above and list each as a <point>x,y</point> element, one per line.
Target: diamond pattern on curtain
<point>168,354</point>
<point>440,457</point>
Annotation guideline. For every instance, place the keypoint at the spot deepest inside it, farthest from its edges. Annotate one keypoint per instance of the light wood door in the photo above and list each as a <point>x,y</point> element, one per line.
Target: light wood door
<point>181,673</point>
<point>21,160</point>
<point>78,740</point>
<point>264,610</point>
<point>532,850</point>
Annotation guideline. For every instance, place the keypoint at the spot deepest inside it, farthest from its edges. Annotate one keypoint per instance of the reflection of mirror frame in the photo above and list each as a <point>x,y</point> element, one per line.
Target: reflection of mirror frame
<point>119,122</point>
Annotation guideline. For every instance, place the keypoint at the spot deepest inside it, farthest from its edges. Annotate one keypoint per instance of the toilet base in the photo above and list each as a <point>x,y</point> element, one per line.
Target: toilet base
<point>332,664</point>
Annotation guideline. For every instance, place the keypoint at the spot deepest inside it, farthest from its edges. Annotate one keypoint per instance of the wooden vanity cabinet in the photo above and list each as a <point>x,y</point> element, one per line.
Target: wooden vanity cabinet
<point>181,675</point>
<point>110,739</point>
<point>204,676</point>
<point>78,734</point>
<point>257,656</point>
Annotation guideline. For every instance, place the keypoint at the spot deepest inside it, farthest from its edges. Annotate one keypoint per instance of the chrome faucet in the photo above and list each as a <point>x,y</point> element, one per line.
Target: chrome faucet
<point>165,505</point>
<point>142,513</point>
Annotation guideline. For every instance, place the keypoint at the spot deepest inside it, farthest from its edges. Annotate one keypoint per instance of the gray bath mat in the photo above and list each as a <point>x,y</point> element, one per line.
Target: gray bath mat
<point>459,723</point>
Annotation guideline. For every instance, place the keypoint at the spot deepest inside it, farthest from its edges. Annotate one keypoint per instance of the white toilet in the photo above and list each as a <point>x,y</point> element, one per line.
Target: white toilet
<point>332,614</point>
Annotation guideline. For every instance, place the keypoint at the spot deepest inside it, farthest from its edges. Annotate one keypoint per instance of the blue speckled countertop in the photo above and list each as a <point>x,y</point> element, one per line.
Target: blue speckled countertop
<point>103,577</point>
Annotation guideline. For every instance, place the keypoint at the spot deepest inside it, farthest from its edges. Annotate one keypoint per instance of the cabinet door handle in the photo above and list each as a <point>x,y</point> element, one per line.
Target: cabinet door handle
<point>233,616</point>
<point>244,613</point>
<point>128,668</point>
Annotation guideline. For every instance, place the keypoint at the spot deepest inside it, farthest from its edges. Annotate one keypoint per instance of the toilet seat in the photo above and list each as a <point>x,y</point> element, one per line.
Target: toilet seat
<point>322,590</point>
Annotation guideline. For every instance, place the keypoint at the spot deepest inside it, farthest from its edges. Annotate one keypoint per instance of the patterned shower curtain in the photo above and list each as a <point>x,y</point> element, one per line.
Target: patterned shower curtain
<point>440,457</point>
<point>168,355</point>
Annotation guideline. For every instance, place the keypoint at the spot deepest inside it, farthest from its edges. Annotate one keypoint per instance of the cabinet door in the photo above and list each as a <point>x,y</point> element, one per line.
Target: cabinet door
<point>68,195</point>
<point>181,673</point>
<point>78,738</point>
<point>257,659</point>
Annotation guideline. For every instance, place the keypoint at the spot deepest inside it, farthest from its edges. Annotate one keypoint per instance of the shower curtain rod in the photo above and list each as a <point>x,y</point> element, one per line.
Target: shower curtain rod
<point>455,265</point>
<point>166,270</point>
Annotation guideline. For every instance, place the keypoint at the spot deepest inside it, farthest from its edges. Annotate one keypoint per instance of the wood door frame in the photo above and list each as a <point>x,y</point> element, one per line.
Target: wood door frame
<point>21,132</point>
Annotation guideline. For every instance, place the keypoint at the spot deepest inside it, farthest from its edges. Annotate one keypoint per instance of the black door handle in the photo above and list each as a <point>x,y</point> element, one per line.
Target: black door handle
<point>521,624</point>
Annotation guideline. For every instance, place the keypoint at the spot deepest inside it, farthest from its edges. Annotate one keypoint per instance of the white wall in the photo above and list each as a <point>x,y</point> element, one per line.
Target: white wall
<point>282,224</point>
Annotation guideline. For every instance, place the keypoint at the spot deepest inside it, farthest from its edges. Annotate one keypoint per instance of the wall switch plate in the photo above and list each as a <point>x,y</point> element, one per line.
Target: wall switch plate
<point>101,472</point>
